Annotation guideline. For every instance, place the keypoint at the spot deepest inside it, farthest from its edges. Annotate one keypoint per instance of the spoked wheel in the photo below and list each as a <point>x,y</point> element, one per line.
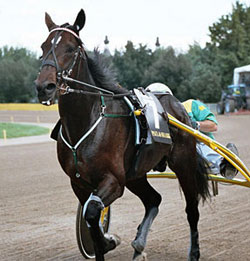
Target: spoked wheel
<point>83,237</point>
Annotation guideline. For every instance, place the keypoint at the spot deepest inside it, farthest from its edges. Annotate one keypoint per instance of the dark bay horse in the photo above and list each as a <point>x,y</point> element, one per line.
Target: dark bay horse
<point>96,141</point>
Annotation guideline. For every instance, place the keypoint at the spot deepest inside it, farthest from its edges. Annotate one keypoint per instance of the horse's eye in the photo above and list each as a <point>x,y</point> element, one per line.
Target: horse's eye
<point>41,57</point>
<point>70,49</point>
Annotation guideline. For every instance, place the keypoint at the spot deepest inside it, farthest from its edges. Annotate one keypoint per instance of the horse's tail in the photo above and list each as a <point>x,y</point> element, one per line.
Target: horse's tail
<point>202,171</point>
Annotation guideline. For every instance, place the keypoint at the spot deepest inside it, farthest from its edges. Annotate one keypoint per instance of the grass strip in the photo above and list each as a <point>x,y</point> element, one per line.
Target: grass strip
<point>15,130</point>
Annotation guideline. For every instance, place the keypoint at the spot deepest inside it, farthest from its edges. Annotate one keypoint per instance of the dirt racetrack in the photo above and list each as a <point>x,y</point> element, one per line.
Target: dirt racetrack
<point>38,207</point>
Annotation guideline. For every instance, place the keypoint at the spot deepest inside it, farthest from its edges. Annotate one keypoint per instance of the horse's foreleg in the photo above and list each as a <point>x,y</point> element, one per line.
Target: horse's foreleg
<point>81,194</point>
<point>107,191</point>
<point>93,208</point>
<point>151,200</point>
<point>143,229</point>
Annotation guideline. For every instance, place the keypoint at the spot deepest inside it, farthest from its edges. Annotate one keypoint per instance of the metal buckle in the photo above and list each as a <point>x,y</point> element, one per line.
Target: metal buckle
<point>64,90</point>
<point>103,107</point>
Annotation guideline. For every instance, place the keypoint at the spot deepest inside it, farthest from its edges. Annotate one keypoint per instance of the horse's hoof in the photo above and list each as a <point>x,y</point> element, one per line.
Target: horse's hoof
<point>140,256</point>
<point>138,245</point>
<point>113,238</point>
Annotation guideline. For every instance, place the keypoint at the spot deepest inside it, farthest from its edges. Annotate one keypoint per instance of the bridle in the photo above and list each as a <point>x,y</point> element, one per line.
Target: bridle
<point>63,75</point>
<point>54,62</point>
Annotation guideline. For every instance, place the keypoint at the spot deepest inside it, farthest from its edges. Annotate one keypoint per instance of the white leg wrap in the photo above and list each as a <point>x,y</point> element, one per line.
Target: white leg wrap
<point>94,198</point>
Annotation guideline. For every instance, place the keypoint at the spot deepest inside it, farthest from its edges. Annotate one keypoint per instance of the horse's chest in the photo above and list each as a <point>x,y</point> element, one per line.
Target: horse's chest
<point>85,159</point>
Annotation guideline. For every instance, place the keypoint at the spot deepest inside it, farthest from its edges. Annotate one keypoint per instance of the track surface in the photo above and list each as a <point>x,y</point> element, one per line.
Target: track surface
<point>38,207</point>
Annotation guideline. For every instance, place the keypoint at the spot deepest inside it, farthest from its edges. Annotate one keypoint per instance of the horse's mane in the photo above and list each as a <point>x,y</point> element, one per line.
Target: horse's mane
<point>102,74</point>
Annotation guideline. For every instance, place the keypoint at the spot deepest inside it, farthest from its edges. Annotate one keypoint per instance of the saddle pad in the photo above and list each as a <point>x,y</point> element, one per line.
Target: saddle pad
<point>153,111</point>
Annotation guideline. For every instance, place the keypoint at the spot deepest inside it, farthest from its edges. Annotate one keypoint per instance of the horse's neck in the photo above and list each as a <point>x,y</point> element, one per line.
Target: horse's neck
<point>78,111</point>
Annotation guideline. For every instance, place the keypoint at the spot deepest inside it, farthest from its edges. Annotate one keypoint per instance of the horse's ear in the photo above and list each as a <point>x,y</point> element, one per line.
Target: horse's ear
<point>50,24</point>
<point>80,20</point>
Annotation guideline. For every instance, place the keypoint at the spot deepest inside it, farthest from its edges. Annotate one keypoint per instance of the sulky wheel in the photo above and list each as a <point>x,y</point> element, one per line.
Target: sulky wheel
<point>83,237</point>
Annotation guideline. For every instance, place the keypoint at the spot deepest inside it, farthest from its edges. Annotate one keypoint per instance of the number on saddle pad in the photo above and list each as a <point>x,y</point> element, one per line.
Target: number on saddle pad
<point>153,112</point>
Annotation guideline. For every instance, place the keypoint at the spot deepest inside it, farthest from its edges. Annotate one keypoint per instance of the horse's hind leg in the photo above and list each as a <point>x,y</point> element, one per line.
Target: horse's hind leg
<point>151,200</point>
<point>189,187</point>
<point>193,218</point>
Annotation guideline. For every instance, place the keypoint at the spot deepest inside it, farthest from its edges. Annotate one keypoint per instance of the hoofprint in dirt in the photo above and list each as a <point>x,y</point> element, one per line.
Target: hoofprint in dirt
<point>38,209</point>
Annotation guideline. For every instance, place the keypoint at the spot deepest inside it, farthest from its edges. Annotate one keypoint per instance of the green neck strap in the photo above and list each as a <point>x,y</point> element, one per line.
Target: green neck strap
<point>108,115</point>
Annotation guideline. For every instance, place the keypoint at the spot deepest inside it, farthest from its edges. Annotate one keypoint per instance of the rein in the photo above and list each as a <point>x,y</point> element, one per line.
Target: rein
<point>67,89</point>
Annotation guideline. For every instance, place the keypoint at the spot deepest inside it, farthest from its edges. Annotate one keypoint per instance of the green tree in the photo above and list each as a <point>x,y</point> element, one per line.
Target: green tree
<point>229,41</point>
<point>131,64</point>
<point>169,68</point>
<point>204,81</point>
<point>18,70</point>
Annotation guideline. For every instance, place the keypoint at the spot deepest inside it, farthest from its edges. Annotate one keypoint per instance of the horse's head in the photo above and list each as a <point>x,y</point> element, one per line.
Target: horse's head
<point>60,53</point>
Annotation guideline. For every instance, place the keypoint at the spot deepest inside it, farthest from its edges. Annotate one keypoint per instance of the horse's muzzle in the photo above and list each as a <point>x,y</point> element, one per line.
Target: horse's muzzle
<point>45,91</point>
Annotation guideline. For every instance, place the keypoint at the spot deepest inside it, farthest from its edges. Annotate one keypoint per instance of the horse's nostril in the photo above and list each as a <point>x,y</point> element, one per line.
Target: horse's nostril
<point>50,86</point>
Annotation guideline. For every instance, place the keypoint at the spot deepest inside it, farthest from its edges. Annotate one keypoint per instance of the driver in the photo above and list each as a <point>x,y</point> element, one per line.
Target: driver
<point>204,120</point>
